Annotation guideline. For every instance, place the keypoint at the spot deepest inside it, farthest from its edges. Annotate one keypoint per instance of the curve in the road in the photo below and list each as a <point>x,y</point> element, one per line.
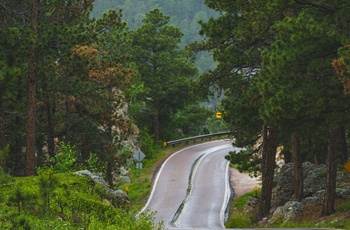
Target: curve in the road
<point>178,215</point>
<point>185,162</point>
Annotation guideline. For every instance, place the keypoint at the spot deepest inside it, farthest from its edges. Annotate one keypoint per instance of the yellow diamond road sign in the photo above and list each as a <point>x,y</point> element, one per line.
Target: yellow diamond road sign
<point>347,166</point>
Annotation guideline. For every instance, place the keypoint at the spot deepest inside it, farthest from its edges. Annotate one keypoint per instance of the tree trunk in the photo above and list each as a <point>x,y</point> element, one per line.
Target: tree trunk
<point>298,168</point>
<point>18,161</point>
<point>33,70</point>
<point>109,170</point>
<point>155,126</point>
<point>50,132</point>
<point>330,193</point>
<point>2,128</point>
<point>49,129</point>
<point>344,146</point>
<point>268,167</point>
<point>67,104</point>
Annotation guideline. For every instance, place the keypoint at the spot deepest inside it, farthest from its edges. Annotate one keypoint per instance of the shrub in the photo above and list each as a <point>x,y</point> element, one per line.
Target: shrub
<point>47,184</point>
<point>239,220</point>
<point>63,162</point>
<point>344,207</point>
<point>94,163</point>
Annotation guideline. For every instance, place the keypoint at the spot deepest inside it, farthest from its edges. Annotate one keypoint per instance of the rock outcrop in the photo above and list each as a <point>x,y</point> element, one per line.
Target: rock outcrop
<point>118,198</point>
<point>283,207</point>
<point>314,180</point>
<point>287,212</point>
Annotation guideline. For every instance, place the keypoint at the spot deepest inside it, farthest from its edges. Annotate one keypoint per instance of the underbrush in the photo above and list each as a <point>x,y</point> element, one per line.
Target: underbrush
<point>62,201</point>
<point>238,219</point>
<point>339,220</point>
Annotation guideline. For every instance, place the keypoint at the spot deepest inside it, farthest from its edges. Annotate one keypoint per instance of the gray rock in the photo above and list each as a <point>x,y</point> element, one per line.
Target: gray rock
<point>124,171</point>
<point>277,216</point>
<point>314,180</point>
<point>97,179</point>
<point>343,193</point>
<point>124,180</point>
<point>251,206</point>
<point>284,186</point>
<point>312,200</point>
<point>117,197</point>
<point>286,213</point>
<point>116,193</point>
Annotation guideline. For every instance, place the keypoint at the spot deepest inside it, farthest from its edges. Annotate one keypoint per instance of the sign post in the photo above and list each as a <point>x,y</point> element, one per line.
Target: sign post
<point>139,155</point>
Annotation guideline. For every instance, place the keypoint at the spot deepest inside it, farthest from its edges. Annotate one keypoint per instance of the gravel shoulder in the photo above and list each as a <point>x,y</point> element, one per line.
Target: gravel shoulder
<point>242,183</point>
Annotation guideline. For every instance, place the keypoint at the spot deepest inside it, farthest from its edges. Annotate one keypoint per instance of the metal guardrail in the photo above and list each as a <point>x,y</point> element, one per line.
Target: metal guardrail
<point>200,137</point>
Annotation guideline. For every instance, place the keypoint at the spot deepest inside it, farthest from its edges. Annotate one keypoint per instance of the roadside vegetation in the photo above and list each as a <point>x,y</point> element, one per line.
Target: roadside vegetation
<point>57,200</point>
<point>309,218</point>
<point>62,201</point>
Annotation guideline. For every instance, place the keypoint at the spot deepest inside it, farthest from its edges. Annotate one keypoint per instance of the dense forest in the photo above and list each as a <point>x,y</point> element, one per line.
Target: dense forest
<point>93,83</point>
<point>183,14</point>
<point>285,71</point>
<point>107,77</point>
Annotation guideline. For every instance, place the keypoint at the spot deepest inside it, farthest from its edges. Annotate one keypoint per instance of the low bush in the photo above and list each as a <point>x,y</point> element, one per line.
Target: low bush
<point>239,220</point>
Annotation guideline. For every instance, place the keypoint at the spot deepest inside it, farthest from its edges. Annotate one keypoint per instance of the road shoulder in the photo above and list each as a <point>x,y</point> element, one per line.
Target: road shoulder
<point>242,183</point>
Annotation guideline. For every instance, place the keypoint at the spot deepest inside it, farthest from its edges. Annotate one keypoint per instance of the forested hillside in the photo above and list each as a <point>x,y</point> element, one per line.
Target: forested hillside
<point>284,66</point>
<point>85,83</point>
<point>83,93</point>
<point>184,14</point>
<point>68,78</point>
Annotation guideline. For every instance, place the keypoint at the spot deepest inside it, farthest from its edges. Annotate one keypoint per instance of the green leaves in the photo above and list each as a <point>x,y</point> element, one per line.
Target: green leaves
<point>164,69</point>
<point>274,61</point>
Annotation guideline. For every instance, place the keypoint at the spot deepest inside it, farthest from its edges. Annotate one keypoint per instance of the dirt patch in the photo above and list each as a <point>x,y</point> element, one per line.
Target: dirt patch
<point>242,183</point>
<point>312,212</point>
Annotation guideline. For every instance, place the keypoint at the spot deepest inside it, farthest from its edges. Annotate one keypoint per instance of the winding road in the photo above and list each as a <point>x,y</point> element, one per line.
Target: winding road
<point>191,190</point>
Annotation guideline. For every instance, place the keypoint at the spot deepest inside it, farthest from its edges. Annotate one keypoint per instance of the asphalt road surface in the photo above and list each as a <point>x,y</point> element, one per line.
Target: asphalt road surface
<point>191,190</point>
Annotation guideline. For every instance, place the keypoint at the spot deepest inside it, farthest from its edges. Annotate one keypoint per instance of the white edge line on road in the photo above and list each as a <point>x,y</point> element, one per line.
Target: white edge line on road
<point>197,163</point>
<point>227,195</point>
<point>211,150</point>
<point>159,172</point>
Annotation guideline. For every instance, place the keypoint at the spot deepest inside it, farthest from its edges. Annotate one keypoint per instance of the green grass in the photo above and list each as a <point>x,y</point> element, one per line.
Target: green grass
<point>62,201</point>
<point>239,220</point>
<point>241,201</point>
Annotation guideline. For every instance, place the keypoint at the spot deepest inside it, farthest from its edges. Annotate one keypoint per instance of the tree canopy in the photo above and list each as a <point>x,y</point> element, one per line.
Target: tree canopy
<point>275,65</point>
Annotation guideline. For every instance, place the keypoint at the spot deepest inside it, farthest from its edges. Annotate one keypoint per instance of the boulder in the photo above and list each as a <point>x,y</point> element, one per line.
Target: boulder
<point>252,206</point>
<point>312,200</point>
<point>123,171</point>
<point>97,179</point>
<point>314,180</point>
<point>283,186</point>
<point>343,193</point>
<point>314,177</point>
<point>287,212</point>
<point>117,197</point>
<point>124,180</point>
